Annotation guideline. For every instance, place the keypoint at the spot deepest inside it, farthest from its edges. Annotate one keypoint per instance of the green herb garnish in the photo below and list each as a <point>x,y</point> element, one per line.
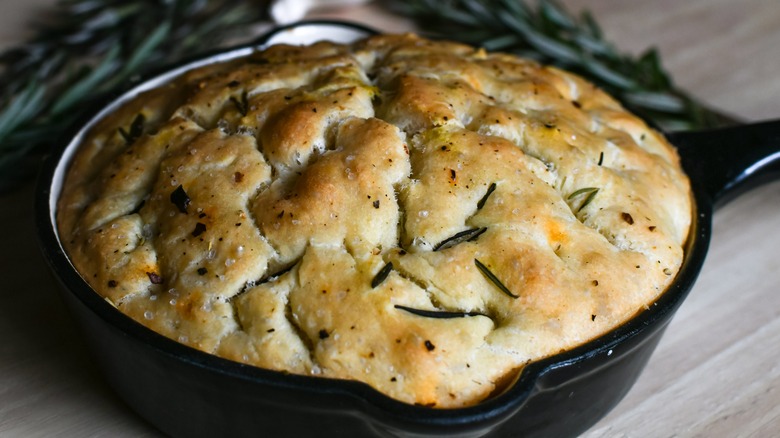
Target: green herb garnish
<point>484,199</point>
<point>464,236</point>
<point>382,274</point>
<point>136,130</point>
<point>441,314</point>
<point>87,51</point>
<point>493,279</point>
<point>589,192</point>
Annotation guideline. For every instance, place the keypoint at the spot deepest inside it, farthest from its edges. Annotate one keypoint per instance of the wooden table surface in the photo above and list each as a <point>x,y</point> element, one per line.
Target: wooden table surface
<point>714,374</point>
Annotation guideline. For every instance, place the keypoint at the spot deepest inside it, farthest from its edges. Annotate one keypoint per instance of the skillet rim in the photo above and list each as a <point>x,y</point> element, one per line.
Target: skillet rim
<point>379,407</point>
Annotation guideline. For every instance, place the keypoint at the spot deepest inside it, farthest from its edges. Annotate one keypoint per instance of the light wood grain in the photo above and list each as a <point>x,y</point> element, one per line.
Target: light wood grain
<point>727,53</point>
<point>715,372</point>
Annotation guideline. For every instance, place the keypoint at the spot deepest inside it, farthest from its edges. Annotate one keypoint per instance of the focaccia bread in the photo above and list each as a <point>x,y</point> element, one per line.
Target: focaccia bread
<point>420,216</point>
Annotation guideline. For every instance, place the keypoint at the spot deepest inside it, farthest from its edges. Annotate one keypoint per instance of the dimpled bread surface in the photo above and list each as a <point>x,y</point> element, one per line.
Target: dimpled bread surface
<point>420,216</point>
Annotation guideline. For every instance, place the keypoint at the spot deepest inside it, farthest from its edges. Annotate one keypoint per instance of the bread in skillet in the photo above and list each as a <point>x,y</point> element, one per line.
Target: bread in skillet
<point>424,217</point>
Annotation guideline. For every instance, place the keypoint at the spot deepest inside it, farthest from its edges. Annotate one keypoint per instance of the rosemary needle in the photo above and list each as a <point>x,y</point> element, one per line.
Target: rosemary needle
<point>382,275</point>
<point>493,279</point>
<point>441,314</point>
<point>464,236</point>
<point>590,194</point>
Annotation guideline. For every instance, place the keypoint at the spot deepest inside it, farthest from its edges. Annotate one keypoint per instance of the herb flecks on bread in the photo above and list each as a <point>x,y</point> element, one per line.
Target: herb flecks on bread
<point>421,216</point>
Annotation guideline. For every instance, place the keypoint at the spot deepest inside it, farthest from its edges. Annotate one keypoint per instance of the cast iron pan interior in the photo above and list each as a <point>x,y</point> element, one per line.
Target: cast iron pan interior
<point>185,392</point>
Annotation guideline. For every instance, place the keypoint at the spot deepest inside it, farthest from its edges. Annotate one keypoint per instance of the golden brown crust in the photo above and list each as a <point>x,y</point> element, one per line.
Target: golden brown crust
<point>296,210</point>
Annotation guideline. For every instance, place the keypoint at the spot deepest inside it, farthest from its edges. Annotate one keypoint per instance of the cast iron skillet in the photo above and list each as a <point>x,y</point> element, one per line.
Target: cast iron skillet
<point>185,392</point>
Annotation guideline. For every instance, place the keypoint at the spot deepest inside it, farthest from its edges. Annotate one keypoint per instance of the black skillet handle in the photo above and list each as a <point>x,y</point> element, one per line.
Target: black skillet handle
<point>726,162</point>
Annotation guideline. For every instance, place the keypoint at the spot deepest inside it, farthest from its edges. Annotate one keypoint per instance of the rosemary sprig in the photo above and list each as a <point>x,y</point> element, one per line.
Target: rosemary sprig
<point>441,314</point>
<point>381,275</point>
<point>135,131</point>
<point>590,194</point>
<point>552,35</point>
<point>493,279</point>
<point>484,199</point>
<point>464,236</point>
<point>91,49</point>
